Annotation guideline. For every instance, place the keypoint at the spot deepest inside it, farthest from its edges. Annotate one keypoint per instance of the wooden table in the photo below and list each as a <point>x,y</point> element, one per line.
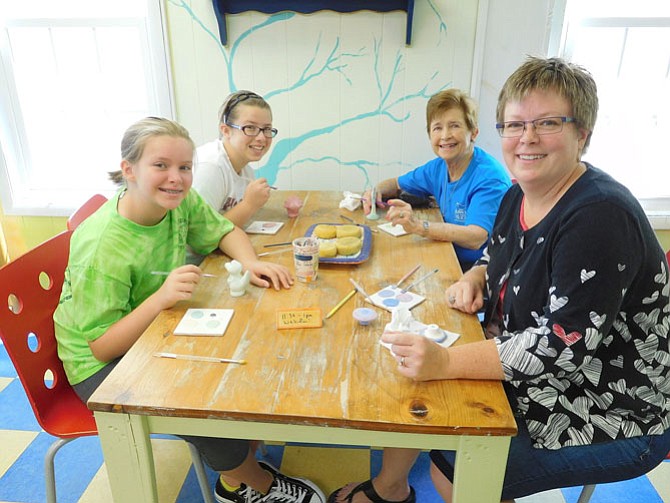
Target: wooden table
<point>330,385</point>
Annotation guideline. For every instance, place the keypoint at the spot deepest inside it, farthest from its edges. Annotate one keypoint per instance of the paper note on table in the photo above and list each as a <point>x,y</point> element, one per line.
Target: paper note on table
<point>393,230</point>
<point>262,227</point>
<point>204,322</point>
<point>392,297</point>
<point>309,317</point>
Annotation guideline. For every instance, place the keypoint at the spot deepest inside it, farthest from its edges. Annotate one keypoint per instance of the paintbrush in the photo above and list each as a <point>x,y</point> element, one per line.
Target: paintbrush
<point>401,280</point>
<point>194,358</point>
<point>166,273</point>
<point>425,276</point>
<point>265,254</point>
<point>362,291</point>
<point>253,180</point>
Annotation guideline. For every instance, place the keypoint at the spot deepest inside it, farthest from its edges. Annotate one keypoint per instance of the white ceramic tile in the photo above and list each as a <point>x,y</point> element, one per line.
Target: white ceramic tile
<point>660,478</point>
<point>554,496</point>
<point>4,382</point>
<point>13,443</point>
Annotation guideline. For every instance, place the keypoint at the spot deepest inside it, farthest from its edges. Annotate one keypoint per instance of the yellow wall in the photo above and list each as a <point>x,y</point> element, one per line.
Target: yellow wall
<point>23,233</point>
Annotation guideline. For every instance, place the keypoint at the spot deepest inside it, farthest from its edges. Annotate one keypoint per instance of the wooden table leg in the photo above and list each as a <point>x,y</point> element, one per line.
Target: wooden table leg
<point>480,469</point>
<point>128,457</point>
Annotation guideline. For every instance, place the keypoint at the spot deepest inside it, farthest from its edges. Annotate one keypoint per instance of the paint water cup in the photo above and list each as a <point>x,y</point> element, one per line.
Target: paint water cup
<point>306,258</point>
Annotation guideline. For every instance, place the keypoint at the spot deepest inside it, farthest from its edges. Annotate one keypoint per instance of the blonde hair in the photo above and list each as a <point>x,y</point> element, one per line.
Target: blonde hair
<point>136,136</point>
<point>448,99</point>
<point>570,81</point>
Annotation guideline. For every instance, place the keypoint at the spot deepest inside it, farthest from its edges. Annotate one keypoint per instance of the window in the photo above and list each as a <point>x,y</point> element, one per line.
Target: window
<point>73,75</point>
<point>626,46</point>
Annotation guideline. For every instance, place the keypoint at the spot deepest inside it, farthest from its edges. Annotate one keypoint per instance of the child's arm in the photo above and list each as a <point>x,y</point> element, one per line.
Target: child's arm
<point>255,197</point>
<point>119,337</point>
<point>236,244</point>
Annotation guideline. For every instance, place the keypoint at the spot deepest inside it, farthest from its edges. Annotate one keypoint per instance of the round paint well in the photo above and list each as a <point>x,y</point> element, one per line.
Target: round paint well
<point>364,316</point>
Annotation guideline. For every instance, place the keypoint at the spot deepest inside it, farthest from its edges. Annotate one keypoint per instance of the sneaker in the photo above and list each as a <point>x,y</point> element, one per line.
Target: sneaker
<point>244,493</point>
<point>286,489</point>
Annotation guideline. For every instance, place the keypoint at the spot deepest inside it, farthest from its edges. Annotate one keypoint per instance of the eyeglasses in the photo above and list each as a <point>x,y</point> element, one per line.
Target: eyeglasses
<point>249,130</point>
<point>545,125</point>
<point>234,102</point>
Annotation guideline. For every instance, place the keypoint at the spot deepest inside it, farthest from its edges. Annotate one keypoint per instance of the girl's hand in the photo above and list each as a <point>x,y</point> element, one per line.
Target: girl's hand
<point>257,193</point>
<point>401,213</point>
<point>418,358</point>
<point>466,296</point>
<point>266,274</point>
<point>179,285</point>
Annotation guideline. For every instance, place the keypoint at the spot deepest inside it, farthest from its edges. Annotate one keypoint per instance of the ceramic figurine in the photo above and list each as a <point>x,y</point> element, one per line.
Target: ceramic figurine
<point>237,281</point>
<point>373,205</point>
<point>292,206</point>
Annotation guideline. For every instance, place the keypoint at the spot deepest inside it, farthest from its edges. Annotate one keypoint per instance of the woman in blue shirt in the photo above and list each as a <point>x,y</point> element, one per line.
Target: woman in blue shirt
<point>466,182</point>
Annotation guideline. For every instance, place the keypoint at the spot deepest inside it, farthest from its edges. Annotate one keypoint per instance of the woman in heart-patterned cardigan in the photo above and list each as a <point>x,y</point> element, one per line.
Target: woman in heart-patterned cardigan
<point>579,311</point>
<point>578,315</point>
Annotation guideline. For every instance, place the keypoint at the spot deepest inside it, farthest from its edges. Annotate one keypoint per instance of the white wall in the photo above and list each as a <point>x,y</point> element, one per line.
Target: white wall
<point>358,114</point>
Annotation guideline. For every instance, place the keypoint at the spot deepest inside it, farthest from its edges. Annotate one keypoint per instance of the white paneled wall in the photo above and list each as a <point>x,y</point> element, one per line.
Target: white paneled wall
<point>348,96</point>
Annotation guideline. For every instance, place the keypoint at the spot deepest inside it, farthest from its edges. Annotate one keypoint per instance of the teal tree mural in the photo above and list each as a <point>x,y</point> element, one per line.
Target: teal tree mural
<point>385,104</point>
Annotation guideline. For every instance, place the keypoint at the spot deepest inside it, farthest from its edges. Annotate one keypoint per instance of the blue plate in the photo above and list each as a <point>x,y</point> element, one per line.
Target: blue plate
<point>359,258</point>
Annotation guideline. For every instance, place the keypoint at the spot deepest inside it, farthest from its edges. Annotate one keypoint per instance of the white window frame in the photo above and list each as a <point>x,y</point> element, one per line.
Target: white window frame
<point>657,208</point>
<point>17,196</point>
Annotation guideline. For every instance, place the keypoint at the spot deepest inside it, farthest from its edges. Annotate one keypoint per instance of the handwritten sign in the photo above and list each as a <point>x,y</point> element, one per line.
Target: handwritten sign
<point>299,318</point>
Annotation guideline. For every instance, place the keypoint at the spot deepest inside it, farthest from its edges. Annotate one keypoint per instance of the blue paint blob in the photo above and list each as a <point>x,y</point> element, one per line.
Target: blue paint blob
<point>390,302</point>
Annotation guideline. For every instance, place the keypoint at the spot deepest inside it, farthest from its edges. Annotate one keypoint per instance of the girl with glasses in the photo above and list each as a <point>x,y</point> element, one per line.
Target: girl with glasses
<point>222,173</point>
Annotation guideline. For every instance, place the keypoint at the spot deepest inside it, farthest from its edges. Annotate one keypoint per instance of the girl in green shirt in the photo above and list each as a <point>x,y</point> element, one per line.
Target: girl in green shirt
<point>110,297</point>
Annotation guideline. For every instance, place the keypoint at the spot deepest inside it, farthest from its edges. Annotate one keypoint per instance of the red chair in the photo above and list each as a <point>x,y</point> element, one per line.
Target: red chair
<point>86,210</point>
<point>31,286</point>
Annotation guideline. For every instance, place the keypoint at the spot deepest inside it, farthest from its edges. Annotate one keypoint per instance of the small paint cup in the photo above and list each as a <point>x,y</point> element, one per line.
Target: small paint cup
<point>306,258</point>
<point>364,315</point>
<point>435,333</point>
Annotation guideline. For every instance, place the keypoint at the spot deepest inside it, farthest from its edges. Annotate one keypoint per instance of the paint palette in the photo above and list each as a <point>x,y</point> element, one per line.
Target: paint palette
<point>392,297</point>
<point>204,322</point>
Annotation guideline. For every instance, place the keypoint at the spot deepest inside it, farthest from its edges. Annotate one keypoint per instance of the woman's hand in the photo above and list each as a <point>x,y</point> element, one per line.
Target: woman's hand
<point>257,193</point>
<point>367,203</point>
<point>467,294</point>
<point>401,213</point>
<point>266,274</point>
<point>418,358</point>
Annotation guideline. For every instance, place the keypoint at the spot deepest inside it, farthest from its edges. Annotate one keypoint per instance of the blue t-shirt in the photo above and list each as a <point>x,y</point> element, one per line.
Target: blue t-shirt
<point>473,199</point>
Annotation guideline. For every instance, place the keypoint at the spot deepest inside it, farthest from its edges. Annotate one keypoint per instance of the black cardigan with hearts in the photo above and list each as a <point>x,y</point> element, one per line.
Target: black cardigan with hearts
<point>584,317</point>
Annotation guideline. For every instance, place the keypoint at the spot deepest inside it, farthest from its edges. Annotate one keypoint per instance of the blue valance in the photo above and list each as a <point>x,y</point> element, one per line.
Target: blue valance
<point>223,7</point>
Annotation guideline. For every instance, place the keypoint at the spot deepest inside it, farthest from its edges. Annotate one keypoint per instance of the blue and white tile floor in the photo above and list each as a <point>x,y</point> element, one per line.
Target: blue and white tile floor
<point>81,476</point>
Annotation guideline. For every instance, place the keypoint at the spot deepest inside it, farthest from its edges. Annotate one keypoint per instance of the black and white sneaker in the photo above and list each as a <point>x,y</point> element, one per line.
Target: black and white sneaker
<point>244,493</point>
<point>286,489</point>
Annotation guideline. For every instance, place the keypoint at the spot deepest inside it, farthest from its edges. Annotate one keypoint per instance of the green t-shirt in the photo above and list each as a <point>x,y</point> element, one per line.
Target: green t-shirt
<point>109,271</point>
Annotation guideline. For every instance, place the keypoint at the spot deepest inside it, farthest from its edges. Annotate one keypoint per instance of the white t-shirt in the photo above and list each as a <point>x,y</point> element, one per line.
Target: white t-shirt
<point>215,178</point>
